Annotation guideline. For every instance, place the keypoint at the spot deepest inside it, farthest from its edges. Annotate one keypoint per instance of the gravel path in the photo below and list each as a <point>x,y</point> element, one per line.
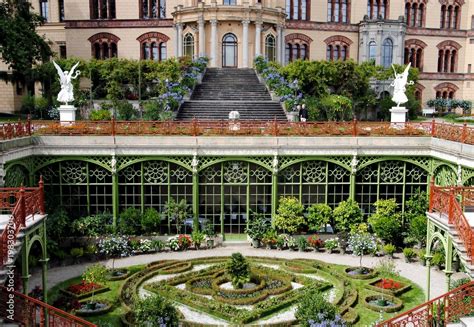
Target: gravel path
<point>413,271</point>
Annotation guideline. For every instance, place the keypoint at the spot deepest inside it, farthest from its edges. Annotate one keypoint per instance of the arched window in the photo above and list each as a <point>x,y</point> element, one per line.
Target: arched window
<point>448,56</point>
<point>104,45</point>
<point>337,47</point>
<point>414,53</point>
<point>446,90</point>
<point>153,9</point>
<point>377,8</point>
<point>288,57</point>
<point>338,11</point>
<point>297,46</point>
<point>188,45</point>
<point>229,50</point>
<point>372,50</point>
<point>387,54</point>
<point>297,9</point>
<point>450,13</point>
<point>102,9</point>
<point>420,16</point>
<point>442,23</point>
<point>270,48</point>
<point>153,46</point>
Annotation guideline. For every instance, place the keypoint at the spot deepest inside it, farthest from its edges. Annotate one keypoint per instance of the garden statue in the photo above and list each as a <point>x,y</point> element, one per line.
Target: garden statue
<point>67,112</point>
<point>399,85</point>
<point>66,94</point>
<point>398,114</point>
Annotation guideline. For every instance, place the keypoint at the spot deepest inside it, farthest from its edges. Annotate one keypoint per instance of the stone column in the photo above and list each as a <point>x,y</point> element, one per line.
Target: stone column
<point>179,28</point>
<point>213,61</point>
<point>258,38</point>
<point>245,43</point>
<point>279,44</point>
<point>202,38</point>
<point>176,52</point>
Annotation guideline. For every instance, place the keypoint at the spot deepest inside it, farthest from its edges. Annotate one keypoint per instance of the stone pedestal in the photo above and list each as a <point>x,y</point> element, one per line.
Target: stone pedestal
<point>67,114</point>
<point>398,115</point>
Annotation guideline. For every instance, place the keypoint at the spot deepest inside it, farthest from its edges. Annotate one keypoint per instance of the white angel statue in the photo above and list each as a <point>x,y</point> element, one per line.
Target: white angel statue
<point>399,86</point>
<point>66,94</point>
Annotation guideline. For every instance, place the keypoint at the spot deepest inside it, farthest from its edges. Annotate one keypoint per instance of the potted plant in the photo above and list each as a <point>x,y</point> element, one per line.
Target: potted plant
<point>270,238</point>
<point>331,244</point>
<point>302,243</point>
<point>409,254</point>
<point>292,244</point>
<point>282,241</point>
<point>210,235</point>
<point>315,242</point>
<point>197,237</point>
<point>256,229</point>
<point>389,249</point>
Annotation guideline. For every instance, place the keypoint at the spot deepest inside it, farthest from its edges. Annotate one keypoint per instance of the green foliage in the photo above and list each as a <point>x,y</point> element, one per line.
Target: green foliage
<point>153,111</point>
<point>387,268</point>
<point>125,110</point>
<point>346,214</point>
<point>101,114</point>
<point>302,243</point>
<point>409,254</point>
<point>56,224</point>
<point>129,221</point>
<point>389,249</point>
<point>197,237</point>
<point>28,104</point>
<point>438,259</point>
<point>96,274</point>
<point>150,221</point>
<point>155,311</point>
<point>312,306</point>
<point>416,205</point>
<point>417,229</point>
<point>459,282</point>
<point>318,216</point>
<point>95,225</point>
<point>260,64</point>
<point>77,252</point>
<point>335,107</point>
<point>238,269</point>
<point>386,221</point>
<point>289,217</point>
<point>362,243</point>
<point>415,218</point>
<point>257,226</point>
<point>177,211</point>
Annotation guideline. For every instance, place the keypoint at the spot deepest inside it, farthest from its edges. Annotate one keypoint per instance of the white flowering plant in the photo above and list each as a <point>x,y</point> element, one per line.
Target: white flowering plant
<point>362,243</point>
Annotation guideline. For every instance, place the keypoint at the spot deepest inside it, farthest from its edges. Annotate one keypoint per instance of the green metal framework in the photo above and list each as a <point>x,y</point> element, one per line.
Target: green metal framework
<point>226,190</point>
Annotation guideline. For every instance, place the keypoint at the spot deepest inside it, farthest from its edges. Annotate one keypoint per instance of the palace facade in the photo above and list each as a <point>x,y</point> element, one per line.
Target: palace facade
<point>436,36</point>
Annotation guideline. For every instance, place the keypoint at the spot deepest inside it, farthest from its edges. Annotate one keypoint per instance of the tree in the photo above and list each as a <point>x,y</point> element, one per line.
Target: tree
<point>151,220</point>
<point>386,221</point>
<point>115,246</point>
<point>95,274</point>
<point>318,216</point>
<point>346,214</point>
<point>239,270</point>
<point>177,211</point>
<point>129,221</point>
<point>362,243</point>
<point>155,311</point>
<point>289,215</point>
<point>20,46</point>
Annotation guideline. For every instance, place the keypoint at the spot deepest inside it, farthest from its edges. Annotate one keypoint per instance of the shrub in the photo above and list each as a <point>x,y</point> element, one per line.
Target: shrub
<point>28,104</point>
<point>302,243</point>
<point>150,221</point>
<point>95,274</point>
<point>239,270</point>
<point>257,227</point>
<point>177,211</point>
<point>158,245</point>
<point>289,217</point>
<point>113,247</point>
<point>386,221</point>
<point>417,229</point>
<point>77,252</point>
<point>270,237</point>
<point>125,110</point>
<point>336,107</point>
<point>389,249</point>
<point>314,308</point>
<point>315,242</point>
<point>129,221</point>
<point>197,237</point>
<point>458,283</point>
<point>346,214</point>
<point>318,216</point>
<point>362,243</point>
<point>155,311</point>
<point>92,226</point>
<point>438,259</point>
<point>331,244</point>
<point>409,254</point>
<point>100,114</point>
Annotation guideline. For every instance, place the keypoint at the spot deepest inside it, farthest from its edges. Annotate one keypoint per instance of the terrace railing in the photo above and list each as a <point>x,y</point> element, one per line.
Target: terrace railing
<point>27,311</point>
<point>441,311</point>
<point>20,203</point>
<point>452,202</point>
<point>15,130</point>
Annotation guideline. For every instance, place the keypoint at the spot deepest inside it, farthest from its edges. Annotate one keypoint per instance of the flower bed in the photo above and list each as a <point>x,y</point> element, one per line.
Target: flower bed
<point>388,286</point>
<point>366,273</point>
<point>394,304</point>
<point>84,290</point>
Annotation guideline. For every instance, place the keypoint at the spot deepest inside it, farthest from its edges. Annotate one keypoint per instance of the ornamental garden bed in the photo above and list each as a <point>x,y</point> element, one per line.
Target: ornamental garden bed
<point>97,308</point>
<point>360,273</point>
<point>385,303</point>
<point>118,274</point>
<point>388,286</point>
<point>84,290</point>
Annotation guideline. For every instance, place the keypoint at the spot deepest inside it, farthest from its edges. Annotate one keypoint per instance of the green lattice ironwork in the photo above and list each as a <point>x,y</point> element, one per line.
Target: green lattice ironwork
<point>16,175</point>
<point>445,176</point>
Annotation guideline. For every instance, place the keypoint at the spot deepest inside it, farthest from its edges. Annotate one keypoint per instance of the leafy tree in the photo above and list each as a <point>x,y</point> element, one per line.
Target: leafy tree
<point>155,311</point>
<point>129,221</point>
<point>96,274</point>
<point>289,217</point>
<point>386,221</point>
<point>150,220</point>
<point>239,270</point>
<point>20,46</point>
<point>336,107</point>
<point>318,216</point>
<point>257,226</point>
<point>115,246</point>
<point>177,211</point>
<point>346,214</point>
<point>362,243</point>
<point>313,308</point>
<point>417,230</point>
<point>415,217</point>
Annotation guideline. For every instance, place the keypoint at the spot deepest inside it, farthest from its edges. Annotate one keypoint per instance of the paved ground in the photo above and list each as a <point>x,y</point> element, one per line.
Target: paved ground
<point>412,271</point>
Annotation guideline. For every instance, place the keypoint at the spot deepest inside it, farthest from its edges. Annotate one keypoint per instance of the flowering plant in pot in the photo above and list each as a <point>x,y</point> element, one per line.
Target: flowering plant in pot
<point>331,244</point>
<point>257,228</point>
<point>315,242</point>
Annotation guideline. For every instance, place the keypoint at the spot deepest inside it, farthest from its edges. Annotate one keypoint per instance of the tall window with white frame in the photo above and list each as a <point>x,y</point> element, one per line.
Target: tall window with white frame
<point>188,45</point>
<point>387,52</point>
<point>372,50</point>
<point>338,11</point>
<point>297,9</point>
<point>270,48</point>
<point>44,9</point>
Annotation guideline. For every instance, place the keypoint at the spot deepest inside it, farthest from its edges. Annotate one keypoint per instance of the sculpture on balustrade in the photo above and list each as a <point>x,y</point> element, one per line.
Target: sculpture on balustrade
<point>399,86</point>
<point>66,94</point>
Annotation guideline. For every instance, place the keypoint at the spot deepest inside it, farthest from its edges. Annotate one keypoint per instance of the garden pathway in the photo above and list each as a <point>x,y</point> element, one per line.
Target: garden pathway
<point>412,271</point>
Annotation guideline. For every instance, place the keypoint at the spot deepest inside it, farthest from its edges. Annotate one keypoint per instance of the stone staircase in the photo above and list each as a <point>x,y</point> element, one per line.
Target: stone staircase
<point>228,89</point>
<point>463,322</point>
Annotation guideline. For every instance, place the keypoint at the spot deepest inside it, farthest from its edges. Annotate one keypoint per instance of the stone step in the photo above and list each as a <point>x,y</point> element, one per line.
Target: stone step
<point>467,321</point>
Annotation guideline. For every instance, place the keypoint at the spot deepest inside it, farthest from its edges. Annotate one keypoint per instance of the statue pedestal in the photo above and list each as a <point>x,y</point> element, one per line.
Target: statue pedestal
<point>67,114</point>
<point>398,116</point>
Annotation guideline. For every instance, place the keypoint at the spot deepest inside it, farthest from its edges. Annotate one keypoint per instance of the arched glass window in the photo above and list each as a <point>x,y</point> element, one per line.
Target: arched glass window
<point>304,52</point>
<point>329,52</point>
<point>450,16</point>
<point>419,16</point>
<point>336,52</point>
<point>113,49</point>
<point>442,20</point>
<point>188,45</point>
<point>413,14</point>
<point>455,18</point>
<point>229,50</point>
<point>230,2</point>
<point>296,50</point>
<point>288,9</point>
<point>344,11</point>
<point>288,53</point>
<point>105,50</point>
<point>270,52</point>
<point>453,61</point>
<point>44,9</point>
<point>372,50</point>
<point>97,51</point>
<point>146,51</point>
<point>344,52</point>
<point>163,52</point>
<point>303,10</point>
<point>387,55</point>
<point>336,11</point>
<point>154,51</point>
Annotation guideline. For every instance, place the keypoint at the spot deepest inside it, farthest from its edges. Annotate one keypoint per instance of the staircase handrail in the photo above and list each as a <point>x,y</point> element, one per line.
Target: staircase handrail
<point>451,201</point>
<point>20,203</point>
<point>446,308</point>
<point>29,311</point>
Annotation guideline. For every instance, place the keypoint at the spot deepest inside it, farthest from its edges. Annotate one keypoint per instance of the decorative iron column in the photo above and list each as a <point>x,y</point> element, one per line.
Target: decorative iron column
<point>194,165</point>
<point>115,191</point>
<point>428,275</point>
<point>275,166</point>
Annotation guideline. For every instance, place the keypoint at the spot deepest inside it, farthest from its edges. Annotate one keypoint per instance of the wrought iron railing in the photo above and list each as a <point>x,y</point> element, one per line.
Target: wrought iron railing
<point>27,311</point>
<point>20,203</point>
<point>452,202</point>
<point>441,311</point>
<point>15,130</point>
